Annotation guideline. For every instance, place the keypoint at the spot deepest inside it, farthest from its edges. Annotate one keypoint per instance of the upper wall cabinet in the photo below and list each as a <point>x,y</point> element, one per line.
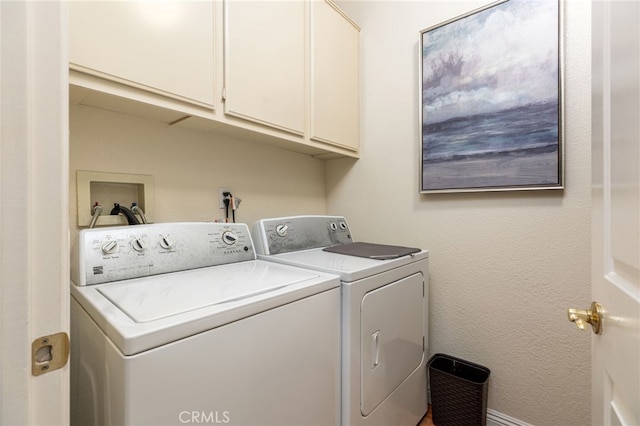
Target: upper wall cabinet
<point>265,62</point>
<point>279,72</point>
<point>163,47</point>
<point>335,109</point>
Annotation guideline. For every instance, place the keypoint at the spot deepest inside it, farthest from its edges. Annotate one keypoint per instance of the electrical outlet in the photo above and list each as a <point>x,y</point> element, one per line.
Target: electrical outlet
<point>221,191</point>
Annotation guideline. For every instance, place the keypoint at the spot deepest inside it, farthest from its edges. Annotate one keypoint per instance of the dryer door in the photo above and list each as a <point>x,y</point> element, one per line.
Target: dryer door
<point>392,344</point>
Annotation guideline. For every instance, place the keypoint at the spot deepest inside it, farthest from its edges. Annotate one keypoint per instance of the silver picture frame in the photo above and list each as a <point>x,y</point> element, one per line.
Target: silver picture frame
<point>491,99</point>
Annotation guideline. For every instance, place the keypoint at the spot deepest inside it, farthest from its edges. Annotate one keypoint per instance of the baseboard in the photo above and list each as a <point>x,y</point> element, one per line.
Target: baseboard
<point>495,418</point>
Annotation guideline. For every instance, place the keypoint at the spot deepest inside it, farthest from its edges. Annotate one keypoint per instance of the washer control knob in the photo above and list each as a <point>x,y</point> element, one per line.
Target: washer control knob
<point>166,242</point>
<point>138,245</point>
<point>342,225</point>
<point>333,226</point>
<point>109,246</point>
<point>281,230</point>
<point>229,238</point>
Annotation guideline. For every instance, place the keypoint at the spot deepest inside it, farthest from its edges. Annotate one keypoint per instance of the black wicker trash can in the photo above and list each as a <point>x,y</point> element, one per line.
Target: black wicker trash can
<point>459,391</point>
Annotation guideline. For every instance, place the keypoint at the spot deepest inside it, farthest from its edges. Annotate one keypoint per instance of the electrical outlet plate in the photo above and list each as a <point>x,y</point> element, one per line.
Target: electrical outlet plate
<point>221,191</point>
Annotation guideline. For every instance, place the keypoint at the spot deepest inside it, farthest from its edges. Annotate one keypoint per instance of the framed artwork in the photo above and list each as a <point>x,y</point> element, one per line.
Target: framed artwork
<point>491,100</point>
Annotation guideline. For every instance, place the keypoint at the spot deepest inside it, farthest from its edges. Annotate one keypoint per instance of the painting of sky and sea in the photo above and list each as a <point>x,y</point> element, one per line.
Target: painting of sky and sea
<point>490,100</point>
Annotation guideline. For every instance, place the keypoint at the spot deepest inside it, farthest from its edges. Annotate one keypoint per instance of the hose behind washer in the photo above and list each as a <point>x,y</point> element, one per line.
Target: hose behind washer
<point>131,218</point>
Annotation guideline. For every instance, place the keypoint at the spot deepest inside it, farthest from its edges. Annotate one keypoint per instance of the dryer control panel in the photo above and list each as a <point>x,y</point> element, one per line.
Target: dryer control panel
<point>295,233</point>
<point>125,252</point>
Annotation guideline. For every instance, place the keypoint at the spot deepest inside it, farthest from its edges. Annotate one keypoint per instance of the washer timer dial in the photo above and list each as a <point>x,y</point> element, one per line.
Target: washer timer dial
<point>229,238</point>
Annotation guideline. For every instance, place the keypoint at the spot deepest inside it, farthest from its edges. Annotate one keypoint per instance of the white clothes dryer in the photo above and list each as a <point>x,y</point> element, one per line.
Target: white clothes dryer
<point>385,300</point>
<point>180,323</point>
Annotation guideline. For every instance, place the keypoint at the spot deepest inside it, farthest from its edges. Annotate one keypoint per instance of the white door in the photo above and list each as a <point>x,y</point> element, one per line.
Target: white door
<point>34,237</point>
<point>616,211</point>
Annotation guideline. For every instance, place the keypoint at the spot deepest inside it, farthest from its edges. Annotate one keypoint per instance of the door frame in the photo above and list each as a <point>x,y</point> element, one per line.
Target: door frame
<point>34,218</point>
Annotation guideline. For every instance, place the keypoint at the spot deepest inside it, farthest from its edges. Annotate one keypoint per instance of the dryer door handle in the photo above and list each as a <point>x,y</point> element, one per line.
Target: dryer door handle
<point>375,349</point>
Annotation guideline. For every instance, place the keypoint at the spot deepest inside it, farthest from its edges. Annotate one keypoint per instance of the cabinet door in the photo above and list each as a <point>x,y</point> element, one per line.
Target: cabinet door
<point>265,62</point>
<point>334,77</point>
<point>163,47</point>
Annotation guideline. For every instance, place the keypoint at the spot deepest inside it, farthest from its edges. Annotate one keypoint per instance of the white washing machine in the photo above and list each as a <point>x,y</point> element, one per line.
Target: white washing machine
<point>180,323</point>
<point>384,313</point>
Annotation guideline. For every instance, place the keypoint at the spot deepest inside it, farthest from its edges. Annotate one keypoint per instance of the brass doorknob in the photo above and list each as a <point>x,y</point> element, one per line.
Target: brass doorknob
<point>591,316</point>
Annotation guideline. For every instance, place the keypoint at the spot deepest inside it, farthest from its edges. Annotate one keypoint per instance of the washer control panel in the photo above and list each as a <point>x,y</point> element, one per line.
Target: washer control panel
<point>125,252</point>
<point>287,234</point>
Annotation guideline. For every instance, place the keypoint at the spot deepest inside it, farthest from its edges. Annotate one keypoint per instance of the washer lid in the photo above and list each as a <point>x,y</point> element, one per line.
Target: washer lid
<point>145,313</point>
<point>153,298</point>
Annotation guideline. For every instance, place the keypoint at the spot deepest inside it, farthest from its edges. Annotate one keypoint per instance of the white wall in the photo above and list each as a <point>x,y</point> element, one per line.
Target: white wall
<point>504,266</point>
<point>188,167</point>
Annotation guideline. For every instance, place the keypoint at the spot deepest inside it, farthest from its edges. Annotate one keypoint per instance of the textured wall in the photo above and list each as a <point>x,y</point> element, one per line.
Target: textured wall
<point>188,167</point>
<point>504,266</point>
